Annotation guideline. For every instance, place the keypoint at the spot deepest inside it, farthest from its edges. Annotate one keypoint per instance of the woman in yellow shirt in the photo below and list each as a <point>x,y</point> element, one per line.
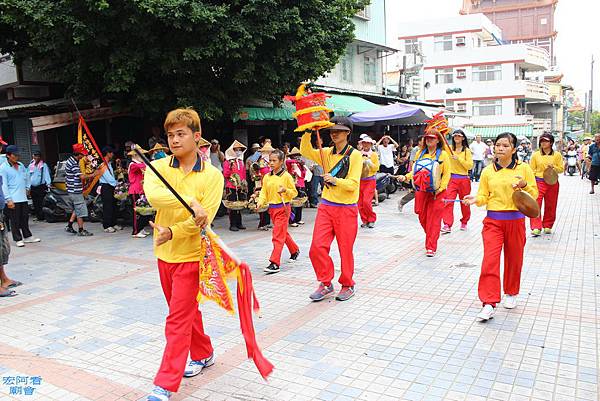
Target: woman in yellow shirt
<point>504,225</point>
<point>429,196</point>
<point>368,183</point>
<point>542,159</point>
<point>460,184</point>
<point>278,189</point>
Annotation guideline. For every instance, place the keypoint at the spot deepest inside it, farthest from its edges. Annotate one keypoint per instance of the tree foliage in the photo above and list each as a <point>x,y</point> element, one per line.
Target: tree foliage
<point>154,54</point>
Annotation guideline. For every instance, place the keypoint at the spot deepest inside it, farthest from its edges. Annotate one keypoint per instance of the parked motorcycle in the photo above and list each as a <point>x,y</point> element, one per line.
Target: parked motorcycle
<point>385,185</point>
<point>56,206</point>
<point>123,210</point>
<point>571,162</point>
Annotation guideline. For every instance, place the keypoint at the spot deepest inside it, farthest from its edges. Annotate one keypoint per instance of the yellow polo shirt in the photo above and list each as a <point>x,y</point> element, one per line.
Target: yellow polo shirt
<point>445,166</point>
<point>374,167</point>
<point>346,190</point>
<point>495,185</point>
<point>204,183</point>
<point>463,163</point>
<point>269,193</point>
<point>540,162</point>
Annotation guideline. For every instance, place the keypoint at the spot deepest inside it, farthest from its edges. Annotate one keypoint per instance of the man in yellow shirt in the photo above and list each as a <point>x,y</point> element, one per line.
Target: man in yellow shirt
<point>177,247</point>
<point>337,213</point>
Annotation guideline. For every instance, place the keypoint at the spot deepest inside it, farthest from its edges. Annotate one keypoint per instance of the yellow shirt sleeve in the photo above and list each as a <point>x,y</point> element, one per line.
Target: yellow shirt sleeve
<point>263,194</point>
<point>210,202</point>
<point>483,194</point>
<point>534,163</point>
<point>307,150</point>
<point>446,168</point>
<point>529,177</point>
<point>375,164</point>
<point>290,187</point>
<point>559,163</point>
<point>466,159</point>
<point>156,192</point>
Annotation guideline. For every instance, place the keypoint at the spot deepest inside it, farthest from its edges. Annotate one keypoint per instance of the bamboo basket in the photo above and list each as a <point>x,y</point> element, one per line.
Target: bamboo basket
<point>235,205</point>
<point>299,202</point>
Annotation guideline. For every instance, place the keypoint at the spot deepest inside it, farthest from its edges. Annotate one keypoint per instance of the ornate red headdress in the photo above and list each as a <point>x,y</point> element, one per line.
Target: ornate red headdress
<point>311,110</point>
<point>439,123</point>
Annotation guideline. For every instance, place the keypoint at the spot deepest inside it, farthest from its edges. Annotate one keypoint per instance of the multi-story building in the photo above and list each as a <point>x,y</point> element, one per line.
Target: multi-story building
<point>361,68</point>
<point>522,21</point>
<point>464,64</point>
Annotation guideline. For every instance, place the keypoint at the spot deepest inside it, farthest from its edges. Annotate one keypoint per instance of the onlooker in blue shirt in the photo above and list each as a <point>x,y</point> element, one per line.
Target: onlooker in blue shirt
<point>39,176</point>
<point>594,159</point>
<point>107,192</point>
<point>6,284</point>
<point>15,185</point>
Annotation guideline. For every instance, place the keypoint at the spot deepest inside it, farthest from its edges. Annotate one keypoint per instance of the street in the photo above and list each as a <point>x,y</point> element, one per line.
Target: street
<point>88,321</point>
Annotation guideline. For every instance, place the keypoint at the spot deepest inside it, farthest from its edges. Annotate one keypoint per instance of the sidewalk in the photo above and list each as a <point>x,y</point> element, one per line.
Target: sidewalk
<point>88,323</point>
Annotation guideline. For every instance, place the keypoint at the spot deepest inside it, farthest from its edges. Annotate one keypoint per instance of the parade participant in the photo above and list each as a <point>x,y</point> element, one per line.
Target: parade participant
<point>178,247</point>
<point>295,166</point>
<point>420,144</point>
<point>504,225</point>
<point>39,174</point>
<point>542,159</point>
<point>460,184</point>
<point>158,151</point>
<point>278,189</point>
<point>204,149</point>
<point>594,161</point>
<point>74,181</point>
<point>367,183</point>
<point>584,157</point>
<point>135,173</point>
<point>236,188</point>
<point>337,212</point>
<point>429,200</point>
<point>16,186</point>
<point>260,169</point>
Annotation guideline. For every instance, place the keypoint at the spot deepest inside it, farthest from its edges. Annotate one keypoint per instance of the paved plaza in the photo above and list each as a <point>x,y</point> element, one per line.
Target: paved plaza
<point>88,322</point>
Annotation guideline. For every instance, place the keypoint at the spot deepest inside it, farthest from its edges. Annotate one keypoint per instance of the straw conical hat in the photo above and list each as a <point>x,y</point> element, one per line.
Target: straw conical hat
<point>157,147</point>
<point>238,144</point>
<point>203,142</point>
<point>294,151</point>
<point>132,152</point>
<point>267,148</point>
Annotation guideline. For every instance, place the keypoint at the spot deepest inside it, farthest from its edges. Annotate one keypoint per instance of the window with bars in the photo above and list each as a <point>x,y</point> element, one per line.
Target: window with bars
<point>370,70</point>
<point>443,43</point>
<point>346,65</point>
<point>444,76</point>
<point>487,107</point>
<point>411,46</point>
<point>487,73</point>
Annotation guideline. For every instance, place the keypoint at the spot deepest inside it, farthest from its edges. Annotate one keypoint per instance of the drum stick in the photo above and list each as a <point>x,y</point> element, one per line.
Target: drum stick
<point>136,149</point>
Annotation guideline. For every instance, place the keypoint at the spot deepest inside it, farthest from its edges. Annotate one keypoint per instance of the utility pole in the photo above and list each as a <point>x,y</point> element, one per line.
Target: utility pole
<point>590,101</point>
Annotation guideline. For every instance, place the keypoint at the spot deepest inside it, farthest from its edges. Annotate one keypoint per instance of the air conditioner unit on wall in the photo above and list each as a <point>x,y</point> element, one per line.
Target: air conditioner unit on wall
<point>460,41</point>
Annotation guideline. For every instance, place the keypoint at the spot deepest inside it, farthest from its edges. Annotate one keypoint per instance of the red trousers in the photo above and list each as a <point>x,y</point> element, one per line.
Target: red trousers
<point>183,330</point>
<point>549,195</point>
<point>497,234</point>
<point>430,208</point>
<point>365,201</point>
<point>279,217</point>
<point>460,187</point>
<point>340,222</point>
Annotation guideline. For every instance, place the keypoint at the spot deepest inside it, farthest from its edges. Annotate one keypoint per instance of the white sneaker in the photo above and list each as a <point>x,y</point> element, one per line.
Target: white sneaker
<point>194,368</point>
<point>486,313</point>
<point>109,230</point>
<point>510,301</point>
<point>141,234</point>
<point>31,240</point>
<point>117,227</point>
<point>20,244</point>
<point>146,231</point>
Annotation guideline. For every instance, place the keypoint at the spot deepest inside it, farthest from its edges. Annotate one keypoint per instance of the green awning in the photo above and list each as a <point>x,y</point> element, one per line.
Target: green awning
<point>342,105</point>
<point>494,130</point>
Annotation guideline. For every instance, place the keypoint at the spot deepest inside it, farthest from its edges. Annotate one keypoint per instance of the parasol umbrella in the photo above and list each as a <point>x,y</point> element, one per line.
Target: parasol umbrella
<point>393,114</point>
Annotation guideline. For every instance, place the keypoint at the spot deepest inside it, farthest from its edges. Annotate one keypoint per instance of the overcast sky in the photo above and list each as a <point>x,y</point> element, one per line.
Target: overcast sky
<point>577,23</point>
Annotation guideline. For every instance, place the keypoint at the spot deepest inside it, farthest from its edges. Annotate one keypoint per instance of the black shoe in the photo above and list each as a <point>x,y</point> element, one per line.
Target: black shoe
<point>371,225</point>
<point>70,230</point>
<point>294,256</point>
<point>241,227</point>
<point>233,228</point>
<point>272,268</point>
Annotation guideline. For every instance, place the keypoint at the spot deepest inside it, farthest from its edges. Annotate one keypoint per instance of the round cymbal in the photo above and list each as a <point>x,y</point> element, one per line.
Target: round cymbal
<point>550,176</point>
<point>526,204</point>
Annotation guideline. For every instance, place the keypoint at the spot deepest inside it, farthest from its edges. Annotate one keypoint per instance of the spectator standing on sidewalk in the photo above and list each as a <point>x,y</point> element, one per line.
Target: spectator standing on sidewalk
<point>6,284</point>
<point>16,186</point>
<point>478,149</point>
<point>594,159</point>
<point>108,182</point>
<point>74,180</point>
<point>39,176</point>
<point>216,156</point>
<point>386,154</point>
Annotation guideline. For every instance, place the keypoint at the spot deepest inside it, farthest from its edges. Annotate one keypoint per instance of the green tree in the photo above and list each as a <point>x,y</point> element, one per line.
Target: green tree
<point>151,55</point>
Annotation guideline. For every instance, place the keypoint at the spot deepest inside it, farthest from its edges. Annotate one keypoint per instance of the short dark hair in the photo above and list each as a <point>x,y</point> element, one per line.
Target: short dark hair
<point>279,153</point>
<point>107,149</point>
<point>513,140</point>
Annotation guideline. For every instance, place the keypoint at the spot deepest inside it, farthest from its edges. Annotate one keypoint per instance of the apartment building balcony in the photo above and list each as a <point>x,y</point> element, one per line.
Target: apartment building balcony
<point>529,91</point>
<point>528,58</point>
<point>535,91</point>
